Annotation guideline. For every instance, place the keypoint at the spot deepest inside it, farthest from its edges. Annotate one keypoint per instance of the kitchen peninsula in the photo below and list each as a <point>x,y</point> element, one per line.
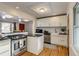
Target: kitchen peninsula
<point>15,43</point>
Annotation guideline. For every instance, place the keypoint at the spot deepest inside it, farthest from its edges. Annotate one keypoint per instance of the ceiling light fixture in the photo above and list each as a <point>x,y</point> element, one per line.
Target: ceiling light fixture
<point>17,7</point>
<point>42,10</point>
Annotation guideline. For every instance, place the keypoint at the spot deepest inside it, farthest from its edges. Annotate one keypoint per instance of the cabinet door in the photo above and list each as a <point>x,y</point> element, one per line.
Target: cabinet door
<point>38,22</point>
<point>43,22</point>
<point>63,20</point>
<point>62,40</point>
<point>46,22</point>
<point>32,44</point>
<point>54,39</point>
<point>54,21</point>
<point>59,40</point>
<point>22,43</point>
<point>15,45</point>
<point>6,53</point>
<point>5,47</point>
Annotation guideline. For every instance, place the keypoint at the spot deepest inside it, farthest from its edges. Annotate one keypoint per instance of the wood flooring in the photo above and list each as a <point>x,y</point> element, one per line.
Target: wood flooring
<point>59,51</point>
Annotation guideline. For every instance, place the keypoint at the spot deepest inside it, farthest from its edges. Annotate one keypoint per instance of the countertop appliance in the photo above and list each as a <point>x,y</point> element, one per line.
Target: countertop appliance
<point>39,31</point>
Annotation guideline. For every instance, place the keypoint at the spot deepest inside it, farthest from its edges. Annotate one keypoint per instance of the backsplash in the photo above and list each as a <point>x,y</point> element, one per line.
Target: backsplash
<point>52,30</point>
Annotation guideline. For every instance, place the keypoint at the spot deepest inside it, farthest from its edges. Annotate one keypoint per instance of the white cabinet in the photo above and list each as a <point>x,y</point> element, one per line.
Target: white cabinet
<point>52,21</point>
<point>35,44</point>
<point>58,21</point>
<point>43,22</point>
<point>59,40</point>
<point>5,47</point>
<point>63,20</point>
<point>23,43</point>
<point>6,53</point>
<point>39,23</point>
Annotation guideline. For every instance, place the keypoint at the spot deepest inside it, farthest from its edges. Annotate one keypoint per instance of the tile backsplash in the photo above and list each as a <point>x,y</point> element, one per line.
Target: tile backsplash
<point>52,30</point>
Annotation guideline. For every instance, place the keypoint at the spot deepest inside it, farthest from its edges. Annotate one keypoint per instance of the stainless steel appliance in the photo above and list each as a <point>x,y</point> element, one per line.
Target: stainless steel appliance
<point>47,37</point>
<point>39,31</point>
<point>18,44</point>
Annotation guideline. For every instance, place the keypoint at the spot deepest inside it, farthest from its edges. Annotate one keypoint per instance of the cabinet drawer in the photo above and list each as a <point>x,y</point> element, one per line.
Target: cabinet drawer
<point>62,41</point>
<point>4,48</point>
<point>4,42</point>
<point>6,53</point>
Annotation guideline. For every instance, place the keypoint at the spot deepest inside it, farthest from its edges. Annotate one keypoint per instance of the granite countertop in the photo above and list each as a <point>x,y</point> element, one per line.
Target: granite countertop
<point>19,36</point>
<point>36,35</point>
<point>13,37</point>
<point>3,38</point>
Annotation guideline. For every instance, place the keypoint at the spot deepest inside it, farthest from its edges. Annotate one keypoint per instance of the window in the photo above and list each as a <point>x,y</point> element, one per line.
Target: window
<point>6,27</point>
<point>76,27</point>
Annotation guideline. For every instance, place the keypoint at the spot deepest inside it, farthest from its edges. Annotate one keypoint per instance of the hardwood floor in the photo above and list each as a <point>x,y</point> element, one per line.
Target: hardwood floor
<point>59,51</point>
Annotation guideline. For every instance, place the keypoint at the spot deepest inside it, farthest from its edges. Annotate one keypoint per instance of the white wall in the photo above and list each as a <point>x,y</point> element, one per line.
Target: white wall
<point>30,26</point>
<point>34,26</point>
<point>72,51</point>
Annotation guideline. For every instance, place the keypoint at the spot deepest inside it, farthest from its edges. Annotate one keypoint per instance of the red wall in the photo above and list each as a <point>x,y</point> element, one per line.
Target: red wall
<point>21,27</point>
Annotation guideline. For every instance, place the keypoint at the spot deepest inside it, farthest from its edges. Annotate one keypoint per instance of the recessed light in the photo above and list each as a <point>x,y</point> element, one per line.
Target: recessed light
<point>17,7</point>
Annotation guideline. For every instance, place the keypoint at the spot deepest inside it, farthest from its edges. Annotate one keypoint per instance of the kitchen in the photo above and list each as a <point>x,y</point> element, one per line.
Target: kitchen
<point>21,32</point>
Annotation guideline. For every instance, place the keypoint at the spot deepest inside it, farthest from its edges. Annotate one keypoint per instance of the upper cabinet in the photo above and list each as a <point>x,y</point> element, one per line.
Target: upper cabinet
<point>63,20</point>
<point>52,21</point>
<point>42,22</point>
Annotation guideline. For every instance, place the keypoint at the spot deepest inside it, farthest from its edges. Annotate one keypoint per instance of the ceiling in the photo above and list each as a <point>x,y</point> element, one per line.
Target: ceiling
<point>29,9</point>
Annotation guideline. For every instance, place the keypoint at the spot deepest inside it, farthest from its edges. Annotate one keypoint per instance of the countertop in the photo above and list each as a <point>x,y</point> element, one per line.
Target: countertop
<point>18,36</point>
<point>3,38</point>
<point>36,35</point>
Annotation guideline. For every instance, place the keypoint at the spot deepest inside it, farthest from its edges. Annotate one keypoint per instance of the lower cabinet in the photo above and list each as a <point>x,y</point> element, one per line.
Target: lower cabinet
<point>59,40</point>
<point>35,44</point>
<point>5,53</point>
<point>5,48</point>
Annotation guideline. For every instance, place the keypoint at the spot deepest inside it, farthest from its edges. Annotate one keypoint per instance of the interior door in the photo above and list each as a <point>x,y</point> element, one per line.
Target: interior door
<point>21,27</point>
